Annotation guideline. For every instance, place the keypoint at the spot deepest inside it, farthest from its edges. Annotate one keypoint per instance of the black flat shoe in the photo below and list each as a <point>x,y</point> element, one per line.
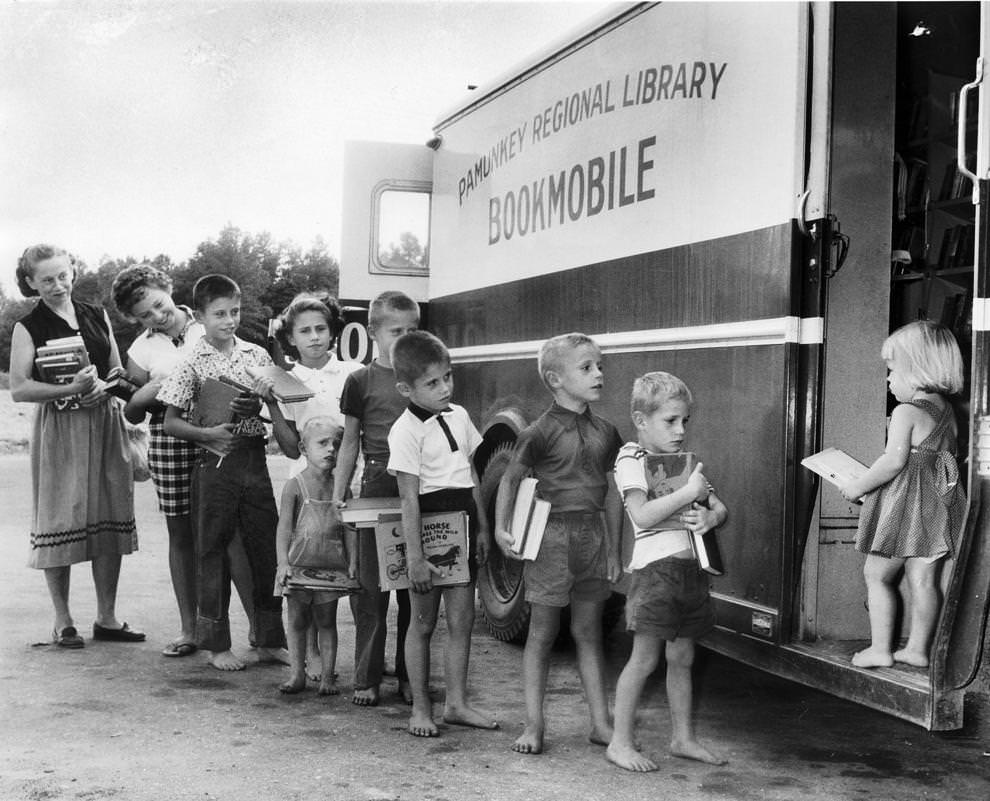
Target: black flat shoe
<point>67,638</point>
<point>124,634</point>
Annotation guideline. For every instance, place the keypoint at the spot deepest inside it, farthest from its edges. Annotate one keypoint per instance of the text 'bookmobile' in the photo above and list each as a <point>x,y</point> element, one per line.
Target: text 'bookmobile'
<point>751,196</point>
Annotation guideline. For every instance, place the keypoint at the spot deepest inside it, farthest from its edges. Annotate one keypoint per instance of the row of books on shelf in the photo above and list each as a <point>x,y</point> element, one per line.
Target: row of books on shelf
<point>917,188</point>
<point>956,248</point>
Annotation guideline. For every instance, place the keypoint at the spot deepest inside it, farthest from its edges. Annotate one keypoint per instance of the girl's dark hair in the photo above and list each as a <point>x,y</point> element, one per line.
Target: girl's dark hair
<point>309,302</point>
<point>131,284</point>
<point>31,258</point>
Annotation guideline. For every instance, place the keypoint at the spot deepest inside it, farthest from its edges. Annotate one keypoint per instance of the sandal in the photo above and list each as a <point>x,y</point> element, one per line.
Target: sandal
<point>183,648</point>
<point>67,638</point>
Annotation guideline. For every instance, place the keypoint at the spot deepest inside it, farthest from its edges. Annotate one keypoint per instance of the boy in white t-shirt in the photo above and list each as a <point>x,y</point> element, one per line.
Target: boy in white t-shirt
<point>430,448</point>
<point>668,601</point>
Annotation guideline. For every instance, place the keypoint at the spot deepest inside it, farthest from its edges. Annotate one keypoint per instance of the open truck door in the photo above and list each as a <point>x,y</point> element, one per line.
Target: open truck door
<point>709,189</point>
<point>385,237</point>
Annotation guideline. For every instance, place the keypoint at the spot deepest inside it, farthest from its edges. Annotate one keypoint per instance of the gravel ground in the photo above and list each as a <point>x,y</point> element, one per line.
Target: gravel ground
<point>115,721</point>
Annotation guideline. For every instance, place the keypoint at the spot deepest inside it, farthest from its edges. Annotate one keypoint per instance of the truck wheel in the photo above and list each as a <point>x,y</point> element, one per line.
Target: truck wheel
<point>500,587</point>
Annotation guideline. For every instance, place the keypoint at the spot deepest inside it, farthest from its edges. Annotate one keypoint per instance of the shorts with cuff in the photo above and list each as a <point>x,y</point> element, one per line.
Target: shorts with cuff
<point>307,597</point>
<point>572,563</point>
<point>669,598</point>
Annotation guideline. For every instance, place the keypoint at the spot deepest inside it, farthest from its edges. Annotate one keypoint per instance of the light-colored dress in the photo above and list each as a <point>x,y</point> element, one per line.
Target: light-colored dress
<point>80,459</point>
<point>328,384</point>
<point>317,543</point>
<point>919,512</point>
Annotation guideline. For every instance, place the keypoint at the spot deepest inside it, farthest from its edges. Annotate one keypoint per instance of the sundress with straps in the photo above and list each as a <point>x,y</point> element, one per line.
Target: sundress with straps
<point>919,512</point>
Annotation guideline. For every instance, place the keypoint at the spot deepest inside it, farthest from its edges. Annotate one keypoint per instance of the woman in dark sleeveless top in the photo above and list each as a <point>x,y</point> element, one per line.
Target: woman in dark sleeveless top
<point>80,459</point>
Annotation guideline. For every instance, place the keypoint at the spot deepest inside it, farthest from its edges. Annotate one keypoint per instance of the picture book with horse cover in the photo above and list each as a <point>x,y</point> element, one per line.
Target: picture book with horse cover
<point>445,545</point>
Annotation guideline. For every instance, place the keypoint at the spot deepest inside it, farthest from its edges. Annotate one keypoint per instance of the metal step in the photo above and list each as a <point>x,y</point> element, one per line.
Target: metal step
<point>903,691</point>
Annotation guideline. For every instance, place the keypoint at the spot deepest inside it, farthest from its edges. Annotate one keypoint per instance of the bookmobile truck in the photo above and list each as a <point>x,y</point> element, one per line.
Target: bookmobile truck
<point>750,196</point>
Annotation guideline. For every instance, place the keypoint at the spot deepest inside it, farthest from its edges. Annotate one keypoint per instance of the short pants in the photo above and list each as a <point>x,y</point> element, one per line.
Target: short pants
<point>307,597</point>
<point>669,598</point>
<point>572,563</point>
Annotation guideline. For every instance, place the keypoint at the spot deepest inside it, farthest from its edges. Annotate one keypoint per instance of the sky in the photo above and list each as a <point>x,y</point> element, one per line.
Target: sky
<point>139,128</point>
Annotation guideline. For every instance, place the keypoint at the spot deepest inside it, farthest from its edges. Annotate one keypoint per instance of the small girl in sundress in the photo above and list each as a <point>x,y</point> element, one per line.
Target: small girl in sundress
<point>913,502</point>
<point>310,537</point>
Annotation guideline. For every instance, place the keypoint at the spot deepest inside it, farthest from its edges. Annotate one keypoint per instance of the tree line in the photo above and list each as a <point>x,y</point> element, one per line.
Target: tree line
<point>269,274</point>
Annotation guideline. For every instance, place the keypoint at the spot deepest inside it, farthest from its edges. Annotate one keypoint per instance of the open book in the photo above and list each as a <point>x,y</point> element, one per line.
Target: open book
<point>529,519</point>
<point>835,465</point>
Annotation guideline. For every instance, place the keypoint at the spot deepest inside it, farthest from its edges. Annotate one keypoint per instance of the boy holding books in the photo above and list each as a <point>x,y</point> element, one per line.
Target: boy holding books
<point>430,449</point>
<point>668,601</point>
<point>370,404</point>
<point>231,491</point>
<point>571,451</point>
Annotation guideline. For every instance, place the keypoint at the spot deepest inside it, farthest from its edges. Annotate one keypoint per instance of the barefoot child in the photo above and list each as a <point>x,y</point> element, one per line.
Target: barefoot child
<point>228,493</point>
<point>571,451</point>
<point>430,449</point>
<point>310,534</point>
<point>668,604</point>
<point>143,293</point>
<point>371,404</point>
<point>914,504</point>
<point>307,331</point>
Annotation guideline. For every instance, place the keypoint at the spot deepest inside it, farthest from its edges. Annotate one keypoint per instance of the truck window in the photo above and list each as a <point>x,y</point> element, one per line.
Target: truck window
<point>401,229</point>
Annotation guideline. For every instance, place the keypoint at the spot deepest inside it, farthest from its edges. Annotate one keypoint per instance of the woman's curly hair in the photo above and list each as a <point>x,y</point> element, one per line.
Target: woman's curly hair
<point>132,283</point>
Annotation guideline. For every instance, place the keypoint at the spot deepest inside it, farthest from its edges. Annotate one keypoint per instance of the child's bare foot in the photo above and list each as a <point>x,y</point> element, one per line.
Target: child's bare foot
<point>328,686</point>
<point>529,742</point>
<point>294,685</point>
<point>405,690</point>
<point>365,697</point>
<point>915,658</point>
<point>422,725</point>
<point>274,655</point>
<point>600,735</point>
<point>628,757</point>
<point>468,716</point>
<point>225,660</point>
<point>871,658</point>
<point>692,749</point>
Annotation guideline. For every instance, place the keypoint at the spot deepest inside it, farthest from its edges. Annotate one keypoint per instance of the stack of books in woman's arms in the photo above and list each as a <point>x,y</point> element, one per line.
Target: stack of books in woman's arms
<point>58,360</point>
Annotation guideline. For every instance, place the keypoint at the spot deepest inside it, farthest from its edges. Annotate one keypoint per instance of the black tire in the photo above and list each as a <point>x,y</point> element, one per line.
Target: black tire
<point>500,585</point>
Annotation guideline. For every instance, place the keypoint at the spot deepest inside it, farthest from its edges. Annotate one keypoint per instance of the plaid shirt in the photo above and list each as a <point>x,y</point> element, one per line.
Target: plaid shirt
<point>181,389</point>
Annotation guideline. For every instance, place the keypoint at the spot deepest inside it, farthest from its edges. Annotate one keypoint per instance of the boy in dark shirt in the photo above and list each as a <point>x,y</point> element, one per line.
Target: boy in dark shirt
<point>571,451</point>
<point>370,404</point>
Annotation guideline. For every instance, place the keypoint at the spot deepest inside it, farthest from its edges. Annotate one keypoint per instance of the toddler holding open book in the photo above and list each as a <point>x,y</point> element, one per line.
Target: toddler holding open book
<point>317,555</point>
<point>913,503</point>
<point>668,602</point>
